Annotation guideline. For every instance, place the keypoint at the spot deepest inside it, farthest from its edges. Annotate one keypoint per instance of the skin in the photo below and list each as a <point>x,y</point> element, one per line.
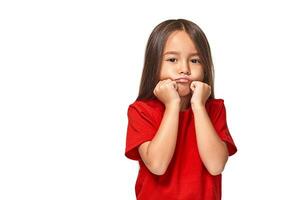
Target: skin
<point>176,65</point>
<point>176,96</point>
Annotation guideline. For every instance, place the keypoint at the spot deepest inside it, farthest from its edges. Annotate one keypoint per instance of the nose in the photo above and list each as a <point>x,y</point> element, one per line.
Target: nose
<point>184,68</point>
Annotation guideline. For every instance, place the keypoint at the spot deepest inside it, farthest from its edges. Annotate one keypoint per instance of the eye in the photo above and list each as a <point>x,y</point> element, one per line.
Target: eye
<point>171,59</point>
<point>196,61</point>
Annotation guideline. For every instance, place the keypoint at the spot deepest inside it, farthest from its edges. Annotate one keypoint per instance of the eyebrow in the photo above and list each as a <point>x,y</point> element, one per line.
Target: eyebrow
<point>175,52</point>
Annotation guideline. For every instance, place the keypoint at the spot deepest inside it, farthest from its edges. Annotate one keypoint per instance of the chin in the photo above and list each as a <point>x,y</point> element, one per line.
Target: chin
<point>183,90</point>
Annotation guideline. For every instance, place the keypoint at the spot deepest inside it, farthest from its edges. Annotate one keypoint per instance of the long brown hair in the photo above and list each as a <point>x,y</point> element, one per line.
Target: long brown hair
<point>154,52</point>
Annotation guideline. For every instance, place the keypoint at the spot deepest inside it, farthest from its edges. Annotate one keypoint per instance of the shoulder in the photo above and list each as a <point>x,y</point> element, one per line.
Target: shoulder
<point>149,106</point>
<point>214,106</point>
<point>215,102</point>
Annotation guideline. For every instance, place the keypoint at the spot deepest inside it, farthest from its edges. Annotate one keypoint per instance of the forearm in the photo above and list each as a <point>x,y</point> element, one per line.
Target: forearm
<point>162,146</point>
<point>212,150</point>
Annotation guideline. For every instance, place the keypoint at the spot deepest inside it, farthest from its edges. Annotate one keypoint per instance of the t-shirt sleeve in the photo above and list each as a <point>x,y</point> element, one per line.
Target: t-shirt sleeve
<point>220,124</point>
<point>139,130</point>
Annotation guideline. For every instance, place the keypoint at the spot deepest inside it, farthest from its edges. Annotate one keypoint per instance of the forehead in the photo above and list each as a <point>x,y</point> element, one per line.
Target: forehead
<point>180,42</point>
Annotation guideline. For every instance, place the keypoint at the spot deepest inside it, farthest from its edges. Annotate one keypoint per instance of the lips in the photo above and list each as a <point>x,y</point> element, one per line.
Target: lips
<point>183,80</point>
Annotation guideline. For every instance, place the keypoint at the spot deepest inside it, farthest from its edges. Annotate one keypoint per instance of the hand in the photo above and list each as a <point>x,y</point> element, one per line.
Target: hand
<point>201,91</point>
<point>166,92</point>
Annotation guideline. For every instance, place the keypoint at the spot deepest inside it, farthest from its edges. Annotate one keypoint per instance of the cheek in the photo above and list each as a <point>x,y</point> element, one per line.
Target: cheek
<point>165,72</point>
<point>162,74</point>
<point>198,74</point>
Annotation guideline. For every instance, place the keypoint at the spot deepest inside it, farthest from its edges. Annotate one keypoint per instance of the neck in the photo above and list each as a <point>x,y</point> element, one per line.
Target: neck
<point>185,102</point>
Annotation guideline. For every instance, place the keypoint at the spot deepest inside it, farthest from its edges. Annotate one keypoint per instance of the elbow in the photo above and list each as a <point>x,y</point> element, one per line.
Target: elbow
<point>216,170</point>
<point>158,169</point>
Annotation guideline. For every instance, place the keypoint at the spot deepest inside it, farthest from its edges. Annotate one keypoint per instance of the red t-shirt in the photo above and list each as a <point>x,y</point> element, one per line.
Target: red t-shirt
<point>186,177</point>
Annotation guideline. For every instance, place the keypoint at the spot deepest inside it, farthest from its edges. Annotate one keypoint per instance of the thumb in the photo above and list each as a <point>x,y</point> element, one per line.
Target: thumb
<point>175,85</point>
<point>193,86</point>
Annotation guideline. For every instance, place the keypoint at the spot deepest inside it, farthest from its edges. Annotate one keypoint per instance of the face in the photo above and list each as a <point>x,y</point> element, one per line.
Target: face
<point>180,59</point>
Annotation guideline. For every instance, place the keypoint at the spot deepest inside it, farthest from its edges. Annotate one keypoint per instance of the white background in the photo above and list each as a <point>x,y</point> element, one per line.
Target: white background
<point>69,70</point>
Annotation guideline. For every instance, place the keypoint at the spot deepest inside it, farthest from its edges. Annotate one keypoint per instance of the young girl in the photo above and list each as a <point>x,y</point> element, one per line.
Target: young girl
<point>177,130</point>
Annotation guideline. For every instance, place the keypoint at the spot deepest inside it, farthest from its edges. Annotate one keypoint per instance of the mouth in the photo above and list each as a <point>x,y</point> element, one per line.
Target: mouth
<point>182,80</point>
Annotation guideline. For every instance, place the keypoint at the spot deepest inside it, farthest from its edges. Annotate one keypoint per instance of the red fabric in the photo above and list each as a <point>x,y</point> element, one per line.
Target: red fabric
<point>186,177</point>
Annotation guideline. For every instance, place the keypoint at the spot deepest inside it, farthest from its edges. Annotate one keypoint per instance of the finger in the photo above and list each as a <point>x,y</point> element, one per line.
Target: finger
<point>168,80</point>
<point>164,81</point>
<point>154,92</point>
<point>193,86</point>
<point>157,87</point>
<point>163,84</point>
<point>169,83</point>
<point>160,83</point>
<point>175,85</point>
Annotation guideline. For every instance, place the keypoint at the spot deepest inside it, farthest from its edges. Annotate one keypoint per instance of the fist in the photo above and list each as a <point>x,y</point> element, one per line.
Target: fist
<point>201,91</point>
<point>166,91</point>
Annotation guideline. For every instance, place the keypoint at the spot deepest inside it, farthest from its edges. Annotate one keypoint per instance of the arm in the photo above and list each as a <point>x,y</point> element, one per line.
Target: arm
<point>213,151</point>
<point>158,153</point>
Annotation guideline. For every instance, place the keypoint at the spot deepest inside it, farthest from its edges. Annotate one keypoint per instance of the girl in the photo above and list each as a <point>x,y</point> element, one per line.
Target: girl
<point>177,130</point>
